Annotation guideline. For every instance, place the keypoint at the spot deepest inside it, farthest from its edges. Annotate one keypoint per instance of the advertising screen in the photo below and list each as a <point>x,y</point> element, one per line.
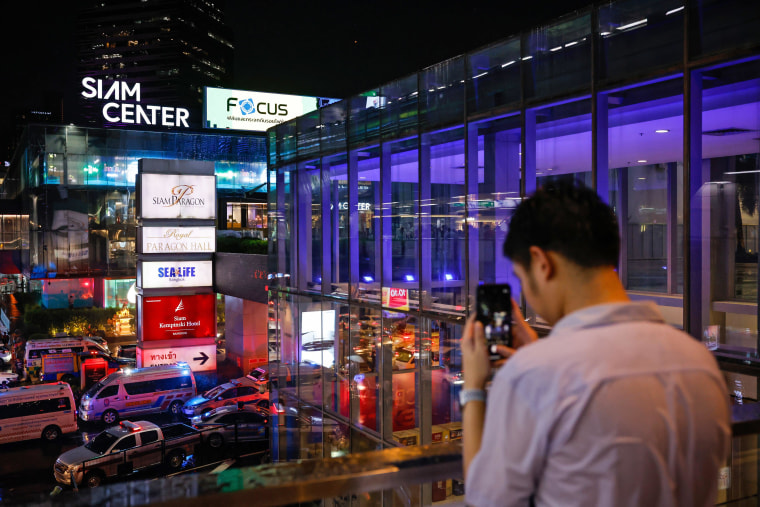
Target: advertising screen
<point>170,274</point>
<point>172,240</point>
<point>254,111</point>
<point>395,298</point>
<point>198,357</point>
<point>318,337</point>
<point>177,196</point>
<point>171,317</point>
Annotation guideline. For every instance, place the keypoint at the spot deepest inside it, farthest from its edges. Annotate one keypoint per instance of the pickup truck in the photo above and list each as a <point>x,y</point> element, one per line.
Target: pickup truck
<point>126,448</point>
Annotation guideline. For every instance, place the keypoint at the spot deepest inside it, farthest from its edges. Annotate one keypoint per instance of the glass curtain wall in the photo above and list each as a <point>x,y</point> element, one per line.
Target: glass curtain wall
<point>637,99</point>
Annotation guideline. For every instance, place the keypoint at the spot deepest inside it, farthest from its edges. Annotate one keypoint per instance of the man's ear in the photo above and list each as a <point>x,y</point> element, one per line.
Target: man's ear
<point>542,263</point>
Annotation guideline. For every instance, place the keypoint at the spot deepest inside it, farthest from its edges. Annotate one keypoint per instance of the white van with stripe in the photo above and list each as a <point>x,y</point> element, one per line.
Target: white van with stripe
<point>134,392</point>
<point>44,411</point>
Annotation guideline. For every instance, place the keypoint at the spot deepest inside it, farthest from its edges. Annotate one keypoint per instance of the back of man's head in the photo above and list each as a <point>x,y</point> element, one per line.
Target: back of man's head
<point>567,219</point>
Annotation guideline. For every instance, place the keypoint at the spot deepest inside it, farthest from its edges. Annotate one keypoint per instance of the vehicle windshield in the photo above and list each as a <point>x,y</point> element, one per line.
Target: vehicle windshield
<point>213,393</point>
<point>102,442</point>
<point>92,391</point>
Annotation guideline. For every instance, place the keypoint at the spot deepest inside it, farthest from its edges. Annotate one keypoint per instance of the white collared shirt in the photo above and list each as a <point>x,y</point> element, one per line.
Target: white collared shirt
<point>613,408</point>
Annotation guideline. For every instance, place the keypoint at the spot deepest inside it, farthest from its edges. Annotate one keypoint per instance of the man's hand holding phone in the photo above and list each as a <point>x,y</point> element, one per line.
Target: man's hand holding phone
<point>476,364</point>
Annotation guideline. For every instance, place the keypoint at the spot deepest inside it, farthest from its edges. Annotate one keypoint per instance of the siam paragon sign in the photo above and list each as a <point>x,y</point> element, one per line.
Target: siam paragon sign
<point>177,196</point>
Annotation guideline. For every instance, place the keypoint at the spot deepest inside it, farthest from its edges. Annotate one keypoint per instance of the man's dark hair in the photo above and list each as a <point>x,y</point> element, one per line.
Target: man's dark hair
<point>570,220</point>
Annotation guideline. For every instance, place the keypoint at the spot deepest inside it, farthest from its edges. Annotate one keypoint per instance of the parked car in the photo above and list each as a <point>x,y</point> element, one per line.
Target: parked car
<point>5,356</point>
<point>8,377</point>
<point>233,424</point>
<point>124,449</point>
<point>242,389</point>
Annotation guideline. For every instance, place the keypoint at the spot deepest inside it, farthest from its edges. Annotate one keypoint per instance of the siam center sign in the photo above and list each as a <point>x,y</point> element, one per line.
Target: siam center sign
<point>122,105</point>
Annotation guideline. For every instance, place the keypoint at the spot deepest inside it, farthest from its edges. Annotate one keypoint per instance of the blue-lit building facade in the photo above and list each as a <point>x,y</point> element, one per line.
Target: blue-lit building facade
<point>389,208</point>
<point>70,204</point>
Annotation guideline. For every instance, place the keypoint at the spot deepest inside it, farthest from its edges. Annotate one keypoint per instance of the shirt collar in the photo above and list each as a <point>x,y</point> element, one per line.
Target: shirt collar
<point>607,314</point>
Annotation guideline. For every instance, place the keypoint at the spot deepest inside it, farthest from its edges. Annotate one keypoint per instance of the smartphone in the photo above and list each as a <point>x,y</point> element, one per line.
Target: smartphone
<point>494,310</point>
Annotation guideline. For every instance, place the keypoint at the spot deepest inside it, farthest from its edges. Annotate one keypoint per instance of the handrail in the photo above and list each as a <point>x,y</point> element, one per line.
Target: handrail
<point>284,483</point>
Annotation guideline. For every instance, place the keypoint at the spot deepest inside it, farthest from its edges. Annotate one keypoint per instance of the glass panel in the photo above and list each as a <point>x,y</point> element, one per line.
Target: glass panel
<point>442,95</point>
<point>309,129</point>
<point>369,204</point>
<point>442,221</point>
<point>557,58</point>
<point>402,229</point>
<point>645,133</point>
<point>309,218</point>
<point>399,108</point>
<point>725,206</point>
<point>641,35</point>
<point>725,24</point>
<point>333,127</point>
<point>401,330</point>
<point>364,124</point>
<point>563,143</point>
<point>494,192</point>
<point>493,77</point>
<point>337,383</point>
<point>363,368</point>
<point>286,141</point>
<point>286,270</point>
<point>54,169</point>
<point>335,219</point>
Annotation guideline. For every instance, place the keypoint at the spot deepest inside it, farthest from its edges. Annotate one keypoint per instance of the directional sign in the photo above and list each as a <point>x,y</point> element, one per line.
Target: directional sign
<point>199,357</point>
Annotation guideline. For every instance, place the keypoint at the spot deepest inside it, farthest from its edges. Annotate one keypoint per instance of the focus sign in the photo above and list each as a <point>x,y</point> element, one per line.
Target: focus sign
<point>175,274</point>
<point>173,240</point>
<point>171,317</point>
<point>177,196</point>
<point>199,357</point>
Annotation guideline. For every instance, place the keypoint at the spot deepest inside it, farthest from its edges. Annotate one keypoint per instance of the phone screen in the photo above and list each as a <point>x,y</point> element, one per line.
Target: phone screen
<point>494,310</point>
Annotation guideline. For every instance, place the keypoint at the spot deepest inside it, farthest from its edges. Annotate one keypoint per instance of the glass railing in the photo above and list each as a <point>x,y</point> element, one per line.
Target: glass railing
<point>404,476</point>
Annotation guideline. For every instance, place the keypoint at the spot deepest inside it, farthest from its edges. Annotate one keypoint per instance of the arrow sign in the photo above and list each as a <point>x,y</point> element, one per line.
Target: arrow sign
<point>203,358</point>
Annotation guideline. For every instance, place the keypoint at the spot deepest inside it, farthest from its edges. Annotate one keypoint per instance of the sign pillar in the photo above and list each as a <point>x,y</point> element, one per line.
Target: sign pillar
<point>176,232</point>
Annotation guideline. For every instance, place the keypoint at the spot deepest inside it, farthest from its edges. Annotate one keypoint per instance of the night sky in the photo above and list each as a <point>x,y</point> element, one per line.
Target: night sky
<point>331,49</point>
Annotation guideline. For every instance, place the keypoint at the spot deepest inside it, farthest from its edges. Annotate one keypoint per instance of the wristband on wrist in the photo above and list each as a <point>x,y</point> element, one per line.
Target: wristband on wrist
<point>468,395</point>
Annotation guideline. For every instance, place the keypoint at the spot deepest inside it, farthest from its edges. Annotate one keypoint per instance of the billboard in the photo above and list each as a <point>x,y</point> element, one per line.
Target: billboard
<point>173,240</point>
<point>176,196</point>
<point>175,274</point>
<point>254,111</point>
<point>198,357</point>
<point>172,317</point>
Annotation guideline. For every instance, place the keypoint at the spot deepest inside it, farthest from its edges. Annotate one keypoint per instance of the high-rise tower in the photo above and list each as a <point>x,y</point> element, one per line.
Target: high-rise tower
<point>172,48</point>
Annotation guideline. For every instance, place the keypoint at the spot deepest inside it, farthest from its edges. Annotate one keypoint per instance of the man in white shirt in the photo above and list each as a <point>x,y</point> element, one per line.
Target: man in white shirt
<point>614,407</point>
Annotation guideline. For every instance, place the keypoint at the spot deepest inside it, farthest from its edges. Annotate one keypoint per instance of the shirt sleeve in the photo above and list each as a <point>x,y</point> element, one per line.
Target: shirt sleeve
<point>508,466</point>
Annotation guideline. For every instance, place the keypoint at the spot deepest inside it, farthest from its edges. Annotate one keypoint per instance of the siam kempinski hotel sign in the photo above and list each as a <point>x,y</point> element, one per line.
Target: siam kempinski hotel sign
<point>173,240</point>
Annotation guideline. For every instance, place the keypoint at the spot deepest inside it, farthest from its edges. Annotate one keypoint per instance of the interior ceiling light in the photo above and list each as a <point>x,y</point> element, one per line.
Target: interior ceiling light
<point>641,161</point>
<point>662,131</point>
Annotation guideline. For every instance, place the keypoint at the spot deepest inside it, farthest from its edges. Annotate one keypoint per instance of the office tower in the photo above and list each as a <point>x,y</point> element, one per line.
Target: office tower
<point>172,48</point>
